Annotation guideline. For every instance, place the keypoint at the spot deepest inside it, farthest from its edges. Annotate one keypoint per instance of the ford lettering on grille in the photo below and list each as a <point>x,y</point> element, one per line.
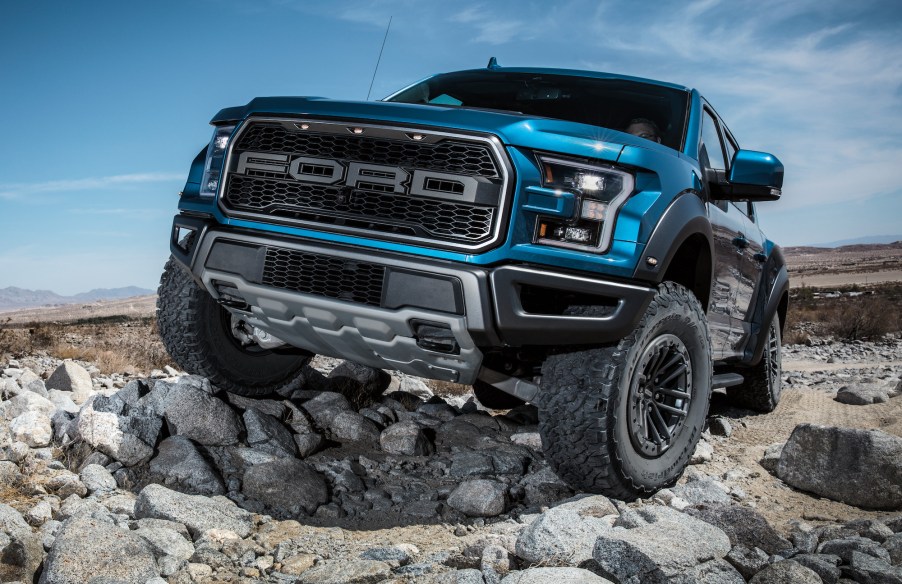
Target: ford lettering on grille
<point>436,189</point>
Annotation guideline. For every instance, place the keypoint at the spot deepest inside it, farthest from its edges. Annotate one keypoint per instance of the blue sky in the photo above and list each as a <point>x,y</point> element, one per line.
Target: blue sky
<point>103,104</point>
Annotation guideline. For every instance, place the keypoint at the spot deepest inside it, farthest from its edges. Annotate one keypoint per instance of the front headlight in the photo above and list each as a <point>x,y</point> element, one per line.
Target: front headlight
<point>600,192</point>
<point>216,152</point>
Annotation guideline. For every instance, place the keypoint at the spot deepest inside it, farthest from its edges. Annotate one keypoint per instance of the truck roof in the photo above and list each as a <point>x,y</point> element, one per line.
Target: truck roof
<point>576,73</point>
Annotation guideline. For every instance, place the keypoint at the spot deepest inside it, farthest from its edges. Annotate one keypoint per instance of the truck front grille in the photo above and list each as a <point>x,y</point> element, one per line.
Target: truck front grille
<point>332,277</point>
<point>427,188</point>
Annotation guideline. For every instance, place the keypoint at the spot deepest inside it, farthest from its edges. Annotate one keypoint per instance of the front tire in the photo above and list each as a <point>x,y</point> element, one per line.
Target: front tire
<point>196,332</point>
<point>624,420</point>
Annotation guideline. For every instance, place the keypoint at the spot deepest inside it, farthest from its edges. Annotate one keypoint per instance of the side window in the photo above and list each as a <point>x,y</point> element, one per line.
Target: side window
<point>710,151</point>
<point>731,148</point>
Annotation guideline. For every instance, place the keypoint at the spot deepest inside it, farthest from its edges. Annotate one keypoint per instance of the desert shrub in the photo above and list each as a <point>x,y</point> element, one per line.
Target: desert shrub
<point>864,319</point>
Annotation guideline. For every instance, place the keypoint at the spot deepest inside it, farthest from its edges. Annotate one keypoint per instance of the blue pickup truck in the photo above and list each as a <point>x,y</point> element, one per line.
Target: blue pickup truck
<point>582,241</point>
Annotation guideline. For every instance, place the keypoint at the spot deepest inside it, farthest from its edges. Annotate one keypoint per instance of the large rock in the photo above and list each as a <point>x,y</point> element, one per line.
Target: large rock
<point>72,377</point>
<point>324,406</point>
<point>857,467</point>
<point>561,536</point>
<point>20,549</point>
<point>90,550</point>
<point>267,434</point>
<point>287,485</point>
<point>786,572</point>
<point>405,438</point>
<point>192,412</point>
<point>32,428</point>
<point>96,479</point>
<point>196,512</point>
<point>867,568</point>
<point>169,546</point>
<point>359,383</point>
<point>669,545</point>
<point>479,498</point>
<point>346,572</point>
<point>555,575</point>
<point>743,526</point>
<point>353,427</point>
<point>102,431</point>
<point>180,465</point>
<point>26,402</point>
<point>862,394</point>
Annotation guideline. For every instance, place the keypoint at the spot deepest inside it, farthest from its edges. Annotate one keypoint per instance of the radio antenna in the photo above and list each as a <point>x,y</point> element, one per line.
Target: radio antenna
<point>385,38</point>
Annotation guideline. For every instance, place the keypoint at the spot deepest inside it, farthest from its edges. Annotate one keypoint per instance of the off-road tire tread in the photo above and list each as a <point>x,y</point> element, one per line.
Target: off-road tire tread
<point>179,300</point>
<point>755,393</point>
<point>575,417</point>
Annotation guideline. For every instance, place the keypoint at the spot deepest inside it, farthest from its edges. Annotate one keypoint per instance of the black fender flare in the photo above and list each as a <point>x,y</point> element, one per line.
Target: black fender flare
<point>686,216</point>
<point>772,287</point>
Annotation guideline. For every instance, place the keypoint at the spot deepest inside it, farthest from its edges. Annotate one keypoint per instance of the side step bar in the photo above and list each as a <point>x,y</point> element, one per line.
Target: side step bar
<point>727,380</point>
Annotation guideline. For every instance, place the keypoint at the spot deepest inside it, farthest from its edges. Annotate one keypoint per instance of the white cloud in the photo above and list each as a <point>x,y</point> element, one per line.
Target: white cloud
<point>822,97</point>
<point>16,191</point>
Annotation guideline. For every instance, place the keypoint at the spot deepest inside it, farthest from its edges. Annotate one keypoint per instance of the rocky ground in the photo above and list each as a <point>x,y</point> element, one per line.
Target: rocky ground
<point>118,478</point>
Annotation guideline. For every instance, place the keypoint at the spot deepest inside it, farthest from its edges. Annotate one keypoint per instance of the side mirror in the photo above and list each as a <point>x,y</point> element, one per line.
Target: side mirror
<point>755,176</point>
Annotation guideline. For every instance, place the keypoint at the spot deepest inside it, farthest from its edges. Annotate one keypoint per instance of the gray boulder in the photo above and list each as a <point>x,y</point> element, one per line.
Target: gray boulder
<point>867,568</point>
<point>169,547</point>
<point>102,431</point>
<point>346,572</point>
<point>670,545</point>
<point>743,526</point>
<point>324,406</point>
<point>63,401</point>
<point>97,479</point>
<point>20,548</point>
<point>863,394</point>
<point>359,383</point>
<point>287,485</point>
<point>786,572</point>
<point>699,491</point>
<point>192,412</point>
<point>268,434</point>
<point>308,443</point>
<point>560,536</point>
<point>70,376</point>
<point>710,572</point>
<point>180,465</point>
<point>556,575</point>
<point>479,498</point>
<point>747,561</point>
<point>823,565</point>
<point>857,467</point>
<point>26,402</point>
<point>197,513</point>
<point>844,548</point>
<point>349,426</point>
<point>88,550</point>
<point>33,428</point>
<point>405,438</point>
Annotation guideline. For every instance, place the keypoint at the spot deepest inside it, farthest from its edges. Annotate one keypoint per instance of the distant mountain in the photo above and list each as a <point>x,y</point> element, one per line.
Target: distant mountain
<point>866,240</point>
<point>888,248</point>
<point>12,298</point>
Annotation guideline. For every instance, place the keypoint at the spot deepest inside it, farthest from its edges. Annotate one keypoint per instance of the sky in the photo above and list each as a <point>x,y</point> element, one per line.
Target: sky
<point>104,104</point>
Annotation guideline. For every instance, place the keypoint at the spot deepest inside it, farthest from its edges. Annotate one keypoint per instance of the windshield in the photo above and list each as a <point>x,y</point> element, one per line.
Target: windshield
<point>651,111</point>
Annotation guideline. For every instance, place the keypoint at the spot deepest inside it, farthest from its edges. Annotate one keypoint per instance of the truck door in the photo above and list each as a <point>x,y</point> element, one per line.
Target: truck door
<point>727,228</point>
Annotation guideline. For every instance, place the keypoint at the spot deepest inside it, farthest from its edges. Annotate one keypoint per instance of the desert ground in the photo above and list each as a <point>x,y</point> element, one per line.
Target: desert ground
<point>468,497</point>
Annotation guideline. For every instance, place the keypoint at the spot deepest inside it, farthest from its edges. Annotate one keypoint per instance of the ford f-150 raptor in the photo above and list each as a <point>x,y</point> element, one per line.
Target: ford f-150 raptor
<point>583,241</point>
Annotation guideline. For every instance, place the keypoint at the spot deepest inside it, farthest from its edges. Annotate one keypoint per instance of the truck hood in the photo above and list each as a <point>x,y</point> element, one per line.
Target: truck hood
<point>512,129</point>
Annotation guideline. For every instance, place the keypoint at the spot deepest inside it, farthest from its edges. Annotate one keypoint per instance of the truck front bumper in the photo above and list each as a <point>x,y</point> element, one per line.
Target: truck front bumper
<point>417,315</point>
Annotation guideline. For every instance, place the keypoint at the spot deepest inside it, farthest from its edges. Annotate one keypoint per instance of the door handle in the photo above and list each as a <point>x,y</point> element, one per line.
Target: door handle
<point>760,257</point>
<point>740,242</point>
